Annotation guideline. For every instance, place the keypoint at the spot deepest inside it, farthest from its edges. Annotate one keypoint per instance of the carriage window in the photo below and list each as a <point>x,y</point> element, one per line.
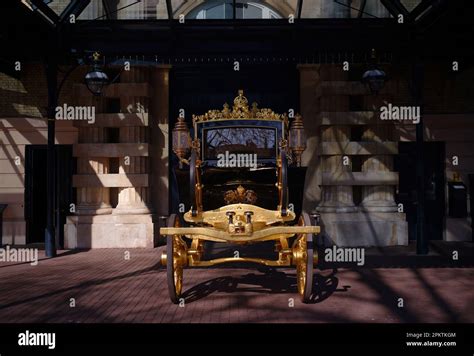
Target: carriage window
<point>261,141</point>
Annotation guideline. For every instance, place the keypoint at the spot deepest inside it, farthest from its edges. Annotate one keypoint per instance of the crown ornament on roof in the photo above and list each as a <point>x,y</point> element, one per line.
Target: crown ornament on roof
<point>241,101</point>
<point>240,110</point>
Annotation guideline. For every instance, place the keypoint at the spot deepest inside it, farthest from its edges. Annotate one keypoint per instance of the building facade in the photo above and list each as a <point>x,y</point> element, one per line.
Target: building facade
<point>118,168</point>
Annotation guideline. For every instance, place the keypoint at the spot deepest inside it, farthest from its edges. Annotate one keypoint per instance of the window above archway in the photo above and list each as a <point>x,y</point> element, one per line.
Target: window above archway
<point>223,9</point>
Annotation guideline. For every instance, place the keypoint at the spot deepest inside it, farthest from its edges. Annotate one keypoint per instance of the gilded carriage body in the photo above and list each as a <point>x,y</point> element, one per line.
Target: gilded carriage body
<point>241,166</point>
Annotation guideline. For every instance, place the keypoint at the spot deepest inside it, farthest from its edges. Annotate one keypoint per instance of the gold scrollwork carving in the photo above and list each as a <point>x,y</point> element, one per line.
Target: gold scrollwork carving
<point>240,195</point>
<point>241,110</point>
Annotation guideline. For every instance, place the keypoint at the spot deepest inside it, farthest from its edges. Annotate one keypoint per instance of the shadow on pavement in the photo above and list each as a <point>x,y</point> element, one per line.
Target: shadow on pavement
<point>269,282</point>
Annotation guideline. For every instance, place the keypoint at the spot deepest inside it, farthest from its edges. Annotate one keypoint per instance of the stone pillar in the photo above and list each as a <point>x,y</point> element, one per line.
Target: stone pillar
<point>375,222</point>
<point>131,224</point>
<point>336,198</point>
<point>93,200</point>
<point>159,145</point>
<point>133,200</point>
<point>380,197</point>
<point>309,79</point>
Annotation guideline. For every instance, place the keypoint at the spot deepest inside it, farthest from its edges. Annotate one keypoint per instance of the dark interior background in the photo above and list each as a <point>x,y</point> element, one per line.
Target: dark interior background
<point>197,89</point>
<point>36,191</point>
<point>434,176</point>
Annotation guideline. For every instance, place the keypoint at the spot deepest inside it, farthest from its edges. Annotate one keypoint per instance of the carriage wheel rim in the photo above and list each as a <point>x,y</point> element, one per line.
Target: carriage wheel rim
<point>174,266</point>
<point>304,260</point>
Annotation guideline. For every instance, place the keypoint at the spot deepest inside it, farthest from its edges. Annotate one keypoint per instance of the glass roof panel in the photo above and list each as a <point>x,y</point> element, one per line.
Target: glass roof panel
<point>125,10</point>
<point>223,9</point>
<point>272,9</point>
<point>343,9</point>
<point>58,6</point>
<point>410,4</point>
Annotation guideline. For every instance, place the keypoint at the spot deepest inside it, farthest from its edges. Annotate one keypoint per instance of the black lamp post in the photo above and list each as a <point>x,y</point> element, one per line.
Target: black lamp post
<point>95,80</point>
<point>50,235</point>
<point>422,247</point>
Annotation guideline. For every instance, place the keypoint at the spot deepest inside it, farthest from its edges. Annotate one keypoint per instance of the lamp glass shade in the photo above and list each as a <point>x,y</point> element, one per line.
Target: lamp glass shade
<point>375,79</point>
<point>96,80</point>
<point>181,138</point>
<point>297,138</point>
<point>297,135</point>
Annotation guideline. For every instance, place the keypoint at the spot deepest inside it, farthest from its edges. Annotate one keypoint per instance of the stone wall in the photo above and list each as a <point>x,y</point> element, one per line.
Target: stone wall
<point>457,131</point>
<point>350,152</point>
<point>118,202</point>
<point>23,103</point>
<point>341,120</point>
<point>115,197</point>
<point>115,181</point>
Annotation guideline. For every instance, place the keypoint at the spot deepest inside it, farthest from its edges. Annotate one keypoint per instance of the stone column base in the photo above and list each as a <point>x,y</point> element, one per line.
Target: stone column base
<point>337,208</point>
<point>110,231</point>
<point>384,206</point>
<point>14,232</point>
<point>131,210</point>
<point>365,229</point>
<point>93,210</point>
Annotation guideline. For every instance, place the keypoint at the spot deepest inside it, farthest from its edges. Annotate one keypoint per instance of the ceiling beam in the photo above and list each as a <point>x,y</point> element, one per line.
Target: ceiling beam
<point>169,8</point>
<point>47,11</point>
<point>420,8</point>
<point>395,7</point>
<point>105,5</point>
<point>75,7</point>
<point>438,10</point>
<point>401,8</point>
<point>299,8</point>
<point>362,8</point>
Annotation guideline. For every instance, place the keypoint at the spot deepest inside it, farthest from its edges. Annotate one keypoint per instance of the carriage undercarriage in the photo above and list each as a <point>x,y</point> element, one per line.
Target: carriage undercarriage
<point>301,254</point>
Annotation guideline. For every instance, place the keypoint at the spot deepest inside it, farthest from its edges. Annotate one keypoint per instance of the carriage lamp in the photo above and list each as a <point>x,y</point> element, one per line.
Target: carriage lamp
<point>96,79</point>
<point>297,138</point>
<point>374,78</point>
<point>181,140</point>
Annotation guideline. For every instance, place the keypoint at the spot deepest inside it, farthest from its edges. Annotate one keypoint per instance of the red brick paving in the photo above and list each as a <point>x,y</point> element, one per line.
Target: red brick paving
<point>108,288</point>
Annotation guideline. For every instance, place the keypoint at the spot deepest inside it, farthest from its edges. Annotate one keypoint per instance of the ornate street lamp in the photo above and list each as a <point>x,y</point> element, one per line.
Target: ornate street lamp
<point>96,79</point>
<point>374,78</point>
<point>181,140</point>
<point>297,138</point>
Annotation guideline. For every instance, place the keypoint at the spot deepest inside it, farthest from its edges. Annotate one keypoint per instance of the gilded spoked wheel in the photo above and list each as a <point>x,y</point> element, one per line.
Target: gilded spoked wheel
<point>176,260</point>
<point>303,259</point>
